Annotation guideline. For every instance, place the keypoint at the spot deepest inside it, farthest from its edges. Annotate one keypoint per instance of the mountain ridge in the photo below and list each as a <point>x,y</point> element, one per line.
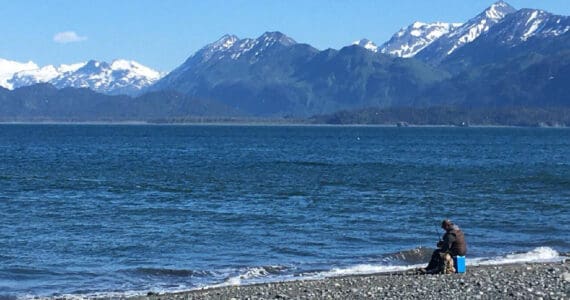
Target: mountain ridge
<point>466,33</point>
<point>323,81</point>
<point>505,58</point>
<point>8,68</point>
<point>411,40</point>
<point>291,78</point>
<point>118,77</point>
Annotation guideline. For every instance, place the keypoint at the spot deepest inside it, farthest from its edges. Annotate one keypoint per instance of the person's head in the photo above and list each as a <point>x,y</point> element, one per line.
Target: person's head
<point>446,224</point>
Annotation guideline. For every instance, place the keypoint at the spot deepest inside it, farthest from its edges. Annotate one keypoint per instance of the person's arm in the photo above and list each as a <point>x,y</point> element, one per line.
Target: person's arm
<point>448,240</point>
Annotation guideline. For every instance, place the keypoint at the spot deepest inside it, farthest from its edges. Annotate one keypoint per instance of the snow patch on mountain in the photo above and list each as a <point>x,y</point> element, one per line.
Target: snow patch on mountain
<point>544,24</point>
<point>221,45</point>
<point>534,24</point>
<point>366,44</point>
<point>498,10</point>
<point>8,68</point>
<point>412,39</point>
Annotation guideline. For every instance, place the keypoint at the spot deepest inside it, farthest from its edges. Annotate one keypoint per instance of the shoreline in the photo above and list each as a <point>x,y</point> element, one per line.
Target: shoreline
<point>515,281</point>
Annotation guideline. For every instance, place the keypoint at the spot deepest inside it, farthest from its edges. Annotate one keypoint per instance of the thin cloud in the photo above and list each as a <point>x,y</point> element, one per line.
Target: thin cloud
<point>68,37</point>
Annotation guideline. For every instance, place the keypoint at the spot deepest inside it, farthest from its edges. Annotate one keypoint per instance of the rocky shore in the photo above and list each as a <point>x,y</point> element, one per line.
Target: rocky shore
<point>517,281</point>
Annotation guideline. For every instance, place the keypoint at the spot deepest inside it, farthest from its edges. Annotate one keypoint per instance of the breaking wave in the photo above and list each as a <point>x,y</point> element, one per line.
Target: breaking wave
<point>412,256</point>
<point>255,275</point>
<point>540,254</point>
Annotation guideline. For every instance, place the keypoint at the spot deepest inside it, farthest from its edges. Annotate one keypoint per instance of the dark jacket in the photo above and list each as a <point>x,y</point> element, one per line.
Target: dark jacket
<point>454,242</point>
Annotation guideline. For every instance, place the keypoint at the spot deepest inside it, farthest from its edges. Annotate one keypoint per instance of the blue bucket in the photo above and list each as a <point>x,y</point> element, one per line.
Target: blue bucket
<point>459,262</point>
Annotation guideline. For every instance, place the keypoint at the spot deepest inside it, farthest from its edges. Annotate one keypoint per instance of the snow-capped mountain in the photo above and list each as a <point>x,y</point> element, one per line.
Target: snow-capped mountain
<point>412,39</point>
<point>8,68</point>
<point>230,46</point>
<point>466,33</point>
<point>41,75</point>
<point>117,77</point>
<point>525,24</point>
<point>366,44</point>
<point>520,33</point>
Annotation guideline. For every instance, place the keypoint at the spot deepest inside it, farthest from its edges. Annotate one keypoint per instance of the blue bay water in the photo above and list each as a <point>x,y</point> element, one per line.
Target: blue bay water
<point>91,209</point>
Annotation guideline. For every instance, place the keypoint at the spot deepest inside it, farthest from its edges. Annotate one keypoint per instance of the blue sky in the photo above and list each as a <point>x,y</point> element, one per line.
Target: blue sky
<point>163,33</point>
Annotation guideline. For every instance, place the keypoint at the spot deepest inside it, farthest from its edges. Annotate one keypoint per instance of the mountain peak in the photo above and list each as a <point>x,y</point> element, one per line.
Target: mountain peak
<point>230,46</point>
<point>366,44</point>
<point>499,10</point>
<point>412,39</point>
<point>418,24</point>
<point>526,23</point>
<point>93,66</point>
<point>467,33</point>
<point>8,68</point>
<point>136,69</point>
<point>276,36</point>
<point>225,42</point>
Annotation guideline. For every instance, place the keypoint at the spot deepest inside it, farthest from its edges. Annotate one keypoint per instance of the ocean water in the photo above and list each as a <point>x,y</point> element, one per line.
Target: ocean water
<point>116,209</point>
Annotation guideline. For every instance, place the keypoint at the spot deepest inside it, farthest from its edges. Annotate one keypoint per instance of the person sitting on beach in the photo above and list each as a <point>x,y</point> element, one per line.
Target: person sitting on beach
<point>452,244</point>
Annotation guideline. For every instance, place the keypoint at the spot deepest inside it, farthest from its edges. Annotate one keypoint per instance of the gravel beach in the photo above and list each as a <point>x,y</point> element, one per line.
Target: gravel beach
<point>516,281</point>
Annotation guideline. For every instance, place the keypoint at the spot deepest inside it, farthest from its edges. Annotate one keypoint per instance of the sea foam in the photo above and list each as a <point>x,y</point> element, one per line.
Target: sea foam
<point>540,254</point>
<point>537,255</point>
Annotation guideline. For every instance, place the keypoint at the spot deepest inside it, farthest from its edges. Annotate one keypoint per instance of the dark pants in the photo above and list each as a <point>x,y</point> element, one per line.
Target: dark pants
<point>436,261</point>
